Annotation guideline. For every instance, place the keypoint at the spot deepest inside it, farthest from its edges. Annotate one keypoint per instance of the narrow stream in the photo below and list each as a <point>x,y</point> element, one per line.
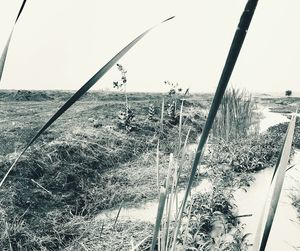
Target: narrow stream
<point>285,233</point>
<point>269,119</point>
<point>147,211</point>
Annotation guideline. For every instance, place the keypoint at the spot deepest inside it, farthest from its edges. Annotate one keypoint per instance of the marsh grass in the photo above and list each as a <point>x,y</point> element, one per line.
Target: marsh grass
<point>235,115</point>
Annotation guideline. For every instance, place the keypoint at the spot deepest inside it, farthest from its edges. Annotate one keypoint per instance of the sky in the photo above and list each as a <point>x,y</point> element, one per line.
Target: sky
<point>60,44</point>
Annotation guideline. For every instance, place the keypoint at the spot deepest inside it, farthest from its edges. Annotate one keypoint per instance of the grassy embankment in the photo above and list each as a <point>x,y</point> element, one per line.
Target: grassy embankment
<point>213,220</point>
<point>51,198</point>
<point>85,163</point>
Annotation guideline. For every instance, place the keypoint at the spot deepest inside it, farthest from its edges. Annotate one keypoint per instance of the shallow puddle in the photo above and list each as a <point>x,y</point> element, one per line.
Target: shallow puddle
<point>147,211</point>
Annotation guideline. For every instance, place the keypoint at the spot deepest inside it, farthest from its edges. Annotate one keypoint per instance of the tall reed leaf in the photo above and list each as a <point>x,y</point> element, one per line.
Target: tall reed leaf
<point>5,50</point>
<point>160,212</point>
<point>262,216</point>
<point>278,183</point>
<point>235,48</point>
<point>80,93</point>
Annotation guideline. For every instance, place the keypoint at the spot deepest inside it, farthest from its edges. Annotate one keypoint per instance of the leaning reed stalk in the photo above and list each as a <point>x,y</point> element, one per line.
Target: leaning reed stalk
<point>235,48</point>
<point>91,82</point>
<point>162,117</point>
<point>172,196</point>
<point>180,126</point>
<point>157,165</point>
<point>187,225</point>
<point>181,159</point>
<point>264,208</point>
<point>118,214</point>
<point>261,241</point>
<point>5,50</point>
<point>167,203</point>
<point>160,212</point>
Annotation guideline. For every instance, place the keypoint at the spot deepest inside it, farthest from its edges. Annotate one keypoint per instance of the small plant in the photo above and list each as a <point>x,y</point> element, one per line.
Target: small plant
<point>121,84</point>
<point>174,89</point>
<point>126,118</point>
<point>173,101</point>
<point>151,112</point>
<point>288,93</point>
<point>171,111</point>
<point>127,115</point>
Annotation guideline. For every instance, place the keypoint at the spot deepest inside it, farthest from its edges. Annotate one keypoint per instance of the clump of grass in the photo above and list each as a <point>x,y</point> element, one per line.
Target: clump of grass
<point>296,201</point>
<point>281,129</point>
<point>235,115</point>
<point>213,223</point>
<point>126,235</point>
<point>249,154</point>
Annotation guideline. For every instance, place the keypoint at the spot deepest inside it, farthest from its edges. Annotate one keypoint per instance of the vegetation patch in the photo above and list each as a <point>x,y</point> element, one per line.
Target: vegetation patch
<point>77,169</point>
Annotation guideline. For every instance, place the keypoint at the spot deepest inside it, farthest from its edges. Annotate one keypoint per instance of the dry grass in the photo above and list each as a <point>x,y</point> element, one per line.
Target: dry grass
<point>77,169</point>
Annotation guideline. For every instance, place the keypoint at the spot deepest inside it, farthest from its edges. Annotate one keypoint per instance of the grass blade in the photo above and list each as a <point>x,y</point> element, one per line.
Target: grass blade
<point>5,50</point>
<point>180,125</point>
<point>140,243</point>
<point>264,208</point>
<point>80,93</point>
<point>235,48</point>
<point>160,212</point>
<point>4,54</point>
<point>187,225</point>
<point>162,117</point>
<point>278,183</point>
<point>20,11</point>
<point>157,165</point>
<point>118,214</point>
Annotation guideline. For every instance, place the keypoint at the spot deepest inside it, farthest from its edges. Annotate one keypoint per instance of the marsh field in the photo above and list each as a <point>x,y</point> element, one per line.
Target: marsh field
<point>172,170</point>
<point>95,182</point>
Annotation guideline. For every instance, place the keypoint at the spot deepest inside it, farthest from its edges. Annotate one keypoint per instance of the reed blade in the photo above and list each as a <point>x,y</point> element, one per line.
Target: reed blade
<point>4,54</point>
<point>234,51</point>
<point>278,183</point>
<point>157,166</point>
<point>20,11</point>
<point>81,92</point>
<point>160,212</point>
<point>5,50</point>
<point>162,117</point>
<point>118,214</point>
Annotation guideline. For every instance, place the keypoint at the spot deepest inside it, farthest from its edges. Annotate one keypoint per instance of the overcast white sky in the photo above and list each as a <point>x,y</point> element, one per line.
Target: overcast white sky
<point>60,44</point>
